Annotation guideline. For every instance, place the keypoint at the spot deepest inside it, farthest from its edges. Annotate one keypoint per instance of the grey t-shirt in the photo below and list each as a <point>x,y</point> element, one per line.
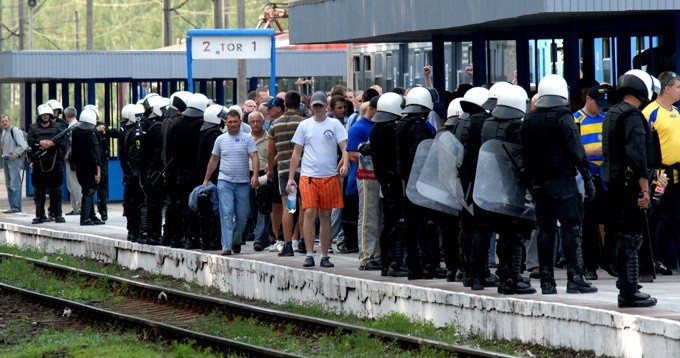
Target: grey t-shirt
<point>234,151</point>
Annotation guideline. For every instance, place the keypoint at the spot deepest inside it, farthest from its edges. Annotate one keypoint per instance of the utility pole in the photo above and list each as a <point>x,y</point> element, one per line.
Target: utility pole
<point>167,23</point>
<point>217,14</point>
<point>21,24</point>
<point>89,8</point>
<point>242,89</point>
<point>225,12</point>
<point>30,27</point>
<point>77,31</point>
<point>2,103</point>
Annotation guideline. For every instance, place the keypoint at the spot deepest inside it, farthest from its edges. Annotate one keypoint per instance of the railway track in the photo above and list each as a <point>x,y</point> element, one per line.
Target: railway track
<point>170,313</point>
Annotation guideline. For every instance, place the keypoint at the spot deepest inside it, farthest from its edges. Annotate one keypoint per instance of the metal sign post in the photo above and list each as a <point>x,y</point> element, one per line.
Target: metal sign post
<point>229,44</point>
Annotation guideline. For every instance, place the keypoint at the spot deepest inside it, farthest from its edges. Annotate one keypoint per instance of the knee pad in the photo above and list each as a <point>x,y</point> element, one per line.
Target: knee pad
<point>631,241</point>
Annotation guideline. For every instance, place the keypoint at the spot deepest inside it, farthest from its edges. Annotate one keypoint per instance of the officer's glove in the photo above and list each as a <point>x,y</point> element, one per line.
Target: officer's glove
<point>589,188</point>
<point>365,148</point>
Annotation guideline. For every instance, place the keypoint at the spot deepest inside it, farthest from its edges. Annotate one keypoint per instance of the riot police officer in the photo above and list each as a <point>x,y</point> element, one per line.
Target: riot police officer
<point>628,151</point>
<point>553,152</point>
<point>421,236</point>
<point>390,106</point>
<point>181,146</point>
<point>504,125</point>
<point>209,221</point>
<point>47,159</point>
<point>171,228</point>
<point>151,170</point>
<point>133,196</point>
<point>468,131</point>
<point>86,158</point>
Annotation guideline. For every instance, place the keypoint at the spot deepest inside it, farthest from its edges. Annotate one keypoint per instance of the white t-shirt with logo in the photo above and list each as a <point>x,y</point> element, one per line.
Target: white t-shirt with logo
<point>320,141</point>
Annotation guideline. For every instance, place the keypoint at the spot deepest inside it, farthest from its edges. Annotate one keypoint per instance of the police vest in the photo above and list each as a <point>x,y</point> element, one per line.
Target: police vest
<point>131,145</point>
<point>53,156</point>
<point>382,151</point>
<point>544,151</point>
<point>505,130</point>
<point>615,161</point>
<point>409,132</point>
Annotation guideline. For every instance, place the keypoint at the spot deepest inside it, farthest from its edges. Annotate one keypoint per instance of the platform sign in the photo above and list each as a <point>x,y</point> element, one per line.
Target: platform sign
<point>228,48</point>
<point>228,44</point>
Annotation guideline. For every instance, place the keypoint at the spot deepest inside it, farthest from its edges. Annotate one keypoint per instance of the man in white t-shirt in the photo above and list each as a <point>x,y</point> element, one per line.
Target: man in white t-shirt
<point>320,185</point>
<point>231,152</point>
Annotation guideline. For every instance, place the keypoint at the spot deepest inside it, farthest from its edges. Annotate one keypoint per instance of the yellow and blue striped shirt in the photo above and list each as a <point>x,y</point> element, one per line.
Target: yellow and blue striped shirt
<point>591,136</point>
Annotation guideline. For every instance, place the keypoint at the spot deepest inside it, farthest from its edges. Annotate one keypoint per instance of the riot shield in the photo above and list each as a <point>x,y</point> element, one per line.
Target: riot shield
<point>450,158</point>
<point>415,190</point>
<point>497,181</point>
<point>438,167</point>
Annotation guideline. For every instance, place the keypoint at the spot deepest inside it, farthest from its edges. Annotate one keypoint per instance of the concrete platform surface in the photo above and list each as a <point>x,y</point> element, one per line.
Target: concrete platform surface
<point>586,321</point>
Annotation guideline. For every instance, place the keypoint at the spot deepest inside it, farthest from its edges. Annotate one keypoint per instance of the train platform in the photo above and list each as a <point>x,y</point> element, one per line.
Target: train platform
<point>582,322</point>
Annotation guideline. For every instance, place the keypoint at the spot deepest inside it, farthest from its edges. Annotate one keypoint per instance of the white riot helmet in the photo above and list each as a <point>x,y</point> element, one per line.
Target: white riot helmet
<point>134,112</point>
<point>148,101</point>
<point>45,109</point>
<point>454,110</point>
<point>124,111</point>
<point>552,92</point>
<point>88,115</point>
<point>473,100</point>
<point>389,108</point>
<point>159,106</point>
<point>638,83</point>
<point>418,100</point>
<point>512,103</point>
<point>197,103</point>
<point>55,105</point>
<point>215,114</point>
<point>494,92</point>
<point>92,107</point>
<point>179,100</point>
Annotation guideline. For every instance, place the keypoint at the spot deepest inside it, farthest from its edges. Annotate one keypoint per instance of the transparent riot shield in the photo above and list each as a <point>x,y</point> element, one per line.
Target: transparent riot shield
<point>438,167</point>
<point>497,181</point>
<point>450,158</point>
<point>421,193</point>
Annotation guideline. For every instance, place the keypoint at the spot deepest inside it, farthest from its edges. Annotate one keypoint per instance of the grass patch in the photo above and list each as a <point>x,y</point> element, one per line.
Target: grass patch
<point>91,343</point>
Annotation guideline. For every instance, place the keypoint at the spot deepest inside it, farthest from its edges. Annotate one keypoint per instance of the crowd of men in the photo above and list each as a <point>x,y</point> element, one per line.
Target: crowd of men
<point>222,176</point>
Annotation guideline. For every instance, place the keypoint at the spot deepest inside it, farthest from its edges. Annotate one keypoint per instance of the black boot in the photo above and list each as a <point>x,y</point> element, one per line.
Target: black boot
<point>628,270</point>
<point>85,209</point>
<point>515,284</point>
<point>39,200</point>
<point>576,283</point>
<point>546,245</point>
<point>55,205</point>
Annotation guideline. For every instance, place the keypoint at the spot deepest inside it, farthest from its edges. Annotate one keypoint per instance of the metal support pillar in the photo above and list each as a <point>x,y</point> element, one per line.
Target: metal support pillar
<point>479,74</point>
<point>523,63</point>
<point>588,57</point>
<point>107,104</point>
<point>438,67</point>
<point>571,58</point>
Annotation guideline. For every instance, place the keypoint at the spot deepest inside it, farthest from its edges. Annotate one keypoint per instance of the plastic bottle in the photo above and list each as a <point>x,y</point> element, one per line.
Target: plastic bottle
<point>291,204</point>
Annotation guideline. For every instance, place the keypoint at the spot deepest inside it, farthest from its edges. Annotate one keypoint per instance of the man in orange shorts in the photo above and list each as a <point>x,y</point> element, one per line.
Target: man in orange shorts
<point>320,186</point>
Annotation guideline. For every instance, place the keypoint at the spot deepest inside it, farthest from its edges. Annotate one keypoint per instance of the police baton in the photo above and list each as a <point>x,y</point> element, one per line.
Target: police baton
<point>648,235</point>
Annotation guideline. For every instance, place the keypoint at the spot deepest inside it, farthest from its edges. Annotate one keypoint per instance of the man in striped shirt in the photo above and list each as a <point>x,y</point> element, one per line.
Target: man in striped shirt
<point>279,152</point>
<point>590,119</point>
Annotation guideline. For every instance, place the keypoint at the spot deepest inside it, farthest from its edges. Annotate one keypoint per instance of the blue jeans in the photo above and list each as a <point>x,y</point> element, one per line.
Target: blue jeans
<point>13,169</point>
<point>262,229</point>
<point>234,209</point>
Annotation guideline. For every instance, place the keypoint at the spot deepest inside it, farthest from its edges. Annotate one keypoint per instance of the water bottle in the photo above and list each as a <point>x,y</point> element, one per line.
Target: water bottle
<point>291,204</point>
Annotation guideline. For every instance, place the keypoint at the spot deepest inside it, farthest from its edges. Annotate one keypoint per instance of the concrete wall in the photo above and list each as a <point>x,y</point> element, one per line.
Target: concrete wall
<point>553,324</point>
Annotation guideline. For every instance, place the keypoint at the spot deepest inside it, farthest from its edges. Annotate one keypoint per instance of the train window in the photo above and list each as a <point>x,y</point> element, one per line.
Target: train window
<point>367,63</point>
<point>378,65</point>
<point>428,57</point>
<point>357,64</point>
<point>389,66</point>
<point>417,62</point>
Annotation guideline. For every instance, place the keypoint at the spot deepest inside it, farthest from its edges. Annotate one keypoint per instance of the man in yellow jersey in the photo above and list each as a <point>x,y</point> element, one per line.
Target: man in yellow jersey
<point>589,118</point>
<point>665,119</point>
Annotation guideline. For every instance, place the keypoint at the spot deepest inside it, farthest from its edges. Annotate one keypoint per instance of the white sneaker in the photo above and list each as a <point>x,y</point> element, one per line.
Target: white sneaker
<point>295,245</point>
<point>276,247</point>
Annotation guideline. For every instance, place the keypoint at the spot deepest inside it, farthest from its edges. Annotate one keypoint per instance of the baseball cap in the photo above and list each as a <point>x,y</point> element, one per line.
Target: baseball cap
<point>318,98</point>
<point>374,102</point>
<point>600,94</point>
<point>275,102</point>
